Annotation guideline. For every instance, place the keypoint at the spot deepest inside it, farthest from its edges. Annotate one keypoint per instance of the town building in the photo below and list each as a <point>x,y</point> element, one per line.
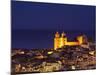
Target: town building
<point>60,41</point>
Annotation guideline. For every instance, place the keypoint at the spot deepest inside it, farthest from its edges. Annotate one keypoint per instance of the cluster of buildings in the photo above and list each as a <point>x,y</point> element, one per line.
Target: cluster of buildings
<point>66,56</point>
<point>43,67</point>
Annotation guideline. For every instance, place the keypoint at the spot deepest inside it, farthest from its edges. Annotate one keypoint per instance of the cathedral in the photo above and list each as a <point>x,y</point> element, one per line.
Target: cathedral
<point>62,40</point>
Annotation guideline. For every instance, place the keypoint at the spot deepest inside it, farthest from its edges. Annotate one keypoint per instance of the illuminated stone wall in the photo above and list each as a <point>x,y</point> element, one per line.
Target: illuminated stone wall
<point>62,41</point>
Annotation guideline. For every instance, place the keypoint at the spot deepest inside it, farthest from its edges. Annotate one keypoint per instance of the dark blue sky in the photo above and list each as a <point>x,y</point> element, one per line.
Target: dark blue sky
<point>34,23</point>
<point>31,15</point>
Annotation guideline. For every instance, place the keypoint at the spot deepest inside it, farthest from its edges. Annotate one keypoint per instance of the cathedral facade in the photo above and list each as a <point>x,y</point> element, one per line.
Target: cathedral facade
<point>62,40</point>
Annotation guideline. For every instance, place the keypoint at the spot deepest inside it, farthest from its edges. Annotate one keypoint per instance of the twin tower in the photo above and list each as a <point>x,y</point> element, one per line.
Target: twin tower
<point>60,41</point>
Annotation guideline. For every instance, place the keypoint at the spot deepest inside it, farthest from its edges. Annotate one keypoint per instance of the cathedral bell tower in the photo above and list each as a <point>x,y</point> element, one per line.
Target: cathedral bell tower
<point>57,41</point>
<point>63,39</point>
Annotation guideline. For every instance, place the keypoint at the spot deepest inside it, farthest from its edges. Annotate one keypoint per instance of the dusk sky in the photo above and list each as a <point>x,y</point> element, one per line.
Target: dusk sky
<point>47,16</point>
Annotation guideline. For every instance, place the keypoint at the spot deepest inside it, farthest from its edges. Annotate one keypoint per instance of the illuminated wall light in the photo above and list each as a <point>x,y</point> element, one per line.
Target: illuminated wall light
<point>50,52</point>
<point>73,67</point>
